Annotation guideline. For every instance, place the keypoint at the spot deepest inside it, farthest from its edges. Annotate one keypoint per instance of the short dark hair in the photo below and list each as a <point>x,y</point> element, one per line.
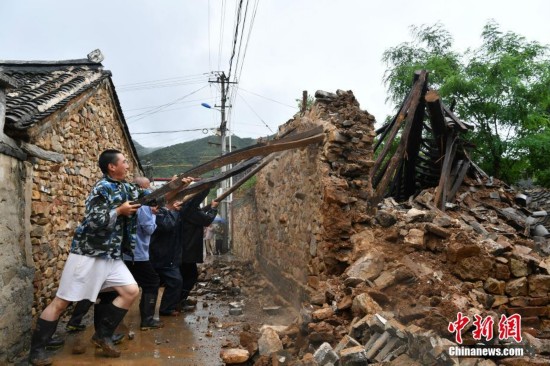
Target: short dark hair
<point>107,157</point>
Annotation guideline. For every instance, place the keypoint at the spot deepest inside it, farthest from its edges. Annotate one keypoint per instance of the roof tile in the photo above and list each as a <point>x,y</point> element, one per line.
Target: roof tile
<point>44,87</point>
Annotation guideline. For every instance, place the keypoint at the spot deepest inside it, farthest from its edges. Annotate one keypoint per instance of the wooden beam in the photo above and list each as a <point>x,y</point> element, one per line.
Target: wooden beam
<point>40,153</point>
<point>459,179</point>
<point>386,128</point>
<point>441,193</point>
<point>265,148</point>
<point>413,148</point>
<point>199,186</point>
<point>397,122</point>
<point>459,123</point>
<point>246,177</point>
<point>416,95</point>
<point>437,117</point>
<point>255,152</point>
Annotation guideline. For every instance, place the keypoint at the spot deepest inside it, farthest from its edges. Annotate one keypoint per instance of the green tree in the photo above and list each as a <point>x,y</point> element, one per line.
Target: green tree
<point>502,87</point>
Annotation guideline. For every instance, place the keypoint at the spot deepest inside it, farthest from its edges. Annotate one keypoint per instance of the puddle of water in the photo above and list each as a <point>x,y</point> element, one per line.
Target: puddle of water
<point>187,339</point>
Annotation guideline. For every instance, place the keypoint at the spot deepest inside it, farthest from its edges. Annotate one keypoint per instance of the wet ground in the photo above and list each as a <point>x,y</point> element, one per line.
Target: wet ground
<point>192,338</point>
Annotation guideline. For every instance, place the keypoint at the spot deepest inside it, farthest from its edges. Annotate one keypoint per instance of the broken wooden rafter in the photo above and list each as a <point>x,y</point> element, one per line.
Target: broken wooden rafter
<point>442,188</point>
<point>392,129</point>
<point>462,170</point>
<point>416,94</point>
<point>195,187</point>
<point>437,118</point>
<point>262,149</point>
<point>413,148</point>
<point>257,151</point>
<point>246,177</point>
<point>463,126</point>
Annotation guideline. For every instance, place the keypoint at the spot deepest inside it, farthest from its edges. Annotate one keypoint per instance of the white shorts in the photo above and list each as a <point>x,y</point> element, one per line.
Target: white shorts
<point>84,277</point>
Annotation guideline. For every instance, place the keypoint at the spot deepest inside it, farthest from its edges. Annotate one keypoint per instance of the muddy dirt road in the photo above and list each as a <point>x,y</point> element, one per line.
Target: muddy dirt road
<point>192,338</point>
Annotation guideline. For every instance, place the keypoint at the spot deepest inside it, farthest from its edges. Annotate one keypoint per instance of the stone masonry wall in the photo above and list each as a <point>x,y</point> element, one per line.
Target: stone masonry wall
<point>80,132</point>
<point>244,206</point>
<point>16,270</point>
<point>308,202</point>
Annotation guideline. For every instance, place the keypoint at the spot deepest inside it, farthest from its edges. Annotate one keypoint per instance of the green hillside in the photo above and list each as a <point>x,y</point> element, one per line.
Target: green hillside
<point>142,150</point>
<point>178,158</point>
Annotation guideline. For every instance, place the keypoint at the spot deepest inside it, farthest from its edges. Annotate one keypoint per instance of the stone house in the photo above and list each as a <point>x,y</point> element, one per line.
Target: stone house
<point>55,119</point>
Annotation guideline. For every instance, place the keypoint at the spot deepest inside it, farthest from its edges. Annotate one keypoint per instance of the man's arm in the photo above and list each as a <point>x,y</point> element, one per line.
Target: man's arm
<point>146,220</point>
<point>102,216</point>
<point>166,220</point>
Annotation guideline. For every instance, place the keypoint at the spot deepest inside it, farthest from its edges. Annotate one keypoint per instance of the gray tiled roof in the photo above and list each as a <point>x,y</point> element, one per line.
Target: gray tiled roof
<point>44,87</point>
<point>36,89</point>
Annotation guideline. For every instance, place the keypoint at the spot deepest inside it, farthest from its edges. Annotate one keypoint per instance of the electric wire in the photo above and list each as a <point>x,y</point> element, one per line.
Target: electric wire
<point>257,115</point>
<point>273,100</point>
<point>222,25</point>
<point>163,83</point>
<point>235,37</point>
<point>163,80</point>
<point>173,131</point>
<point>241,41</point>
<point>158,109</point>
<point>209,42</point>
<point>154,106</point>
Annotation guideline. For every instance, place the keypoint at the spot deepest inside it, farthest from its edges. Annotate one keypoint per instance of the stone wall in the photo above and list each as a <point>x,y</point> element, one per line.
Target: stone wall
<point>81,131</point>
<point>16,269</point>
<point>244,207</point>
<point>308,202</point>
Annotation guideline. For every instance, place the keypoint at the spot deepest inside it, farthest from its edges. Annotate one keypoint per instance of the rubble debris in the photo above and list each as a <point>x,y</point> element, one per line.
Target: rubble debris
<point>234,356</point>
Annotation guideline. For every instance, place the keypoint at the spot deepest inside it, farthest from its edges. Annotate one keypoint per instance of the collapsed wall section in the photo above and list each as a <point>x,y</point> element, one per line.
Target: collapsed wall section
<point>307,203</point>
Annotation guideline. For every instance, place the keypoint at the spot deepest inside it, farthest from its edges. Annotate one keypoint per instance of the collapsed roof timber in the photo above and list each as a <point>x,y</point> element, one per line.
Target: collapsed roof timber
<point>427,155</point>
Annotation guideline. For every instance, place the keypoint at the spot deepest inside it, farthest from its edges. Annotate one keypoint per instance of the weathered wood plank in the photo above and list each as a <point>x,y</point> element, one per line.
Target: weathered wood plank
<point>459,179</point>
<point>398,121</point>
<point>437,118</point>
<point>40,153</point>
<point>416,95</point>
<point>196,186</point>
<point>441,192</point>
<point>413,148</point>
<point>290,142</point>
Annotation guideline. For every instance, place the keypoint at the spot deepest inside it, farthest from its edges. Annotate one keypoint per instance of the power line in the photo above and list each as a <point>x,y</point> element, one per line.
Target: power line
<point>257,115</point>
<point>158,109</point>
<point>164,80</point>
<point>273,100</point>
<point>240,41</point>
<point>235,37</point>
<point>209,43</point>
<point>251,25</point>
<point>222,25</point>
<point>154,106</point>
<point>194,129</point>
<point>162,83</point>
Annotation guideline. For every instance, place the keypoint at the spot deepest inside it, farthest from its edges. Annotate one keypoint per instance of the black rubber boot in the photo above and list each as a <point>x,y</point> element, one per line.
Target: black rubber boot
<point>108,318</point>
<point>80,309</point>
<point>105,299</point>
<point>55,342</point>
<point>40,338</point>
<point>147,310</point>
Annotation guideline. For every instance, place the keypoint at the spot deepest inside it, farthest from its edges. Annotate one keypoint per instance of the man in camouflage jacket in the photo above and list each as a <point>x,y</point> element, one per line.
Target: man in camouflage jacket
<point>95,260</point>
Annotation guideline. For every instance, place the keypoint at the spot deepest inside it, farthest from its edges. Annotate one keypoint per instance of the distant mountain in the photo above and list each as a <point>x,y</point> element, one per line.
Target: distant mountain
<point>175,159</point>
<point>142,150</point>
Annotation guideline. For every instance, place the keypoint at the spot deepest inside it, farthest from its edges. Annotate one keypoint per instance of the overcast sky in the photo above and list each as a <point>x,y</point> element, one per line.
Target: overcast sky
<point>293,45</point>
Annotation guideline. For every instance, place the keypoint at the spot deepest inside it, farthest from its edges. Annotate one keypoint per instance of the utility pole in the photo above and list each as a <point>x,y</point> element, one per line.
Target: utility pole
<point>225,211</point>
